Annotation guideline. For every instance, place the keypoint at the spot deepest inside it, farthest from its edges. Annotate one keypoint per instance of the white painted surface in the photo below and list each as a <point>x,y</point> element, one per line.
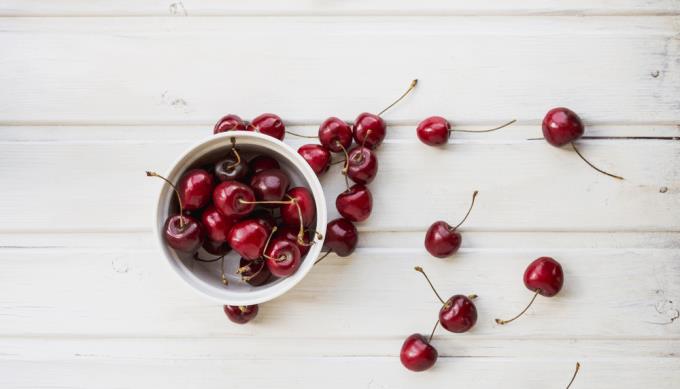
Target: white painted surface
<point>94,93</point>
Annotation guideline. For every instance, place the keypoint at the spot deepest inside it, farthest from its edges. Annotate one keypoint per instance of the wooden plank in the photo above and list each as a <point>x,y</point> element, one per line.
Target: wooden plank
<point>192,70</point>
<point>350,7</point>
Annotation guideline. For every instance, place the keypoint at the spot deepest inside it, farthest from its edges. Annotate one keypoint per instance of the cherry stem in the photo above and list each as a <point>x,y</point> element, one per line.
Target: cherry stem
<point>573,377</point>
<point>593,166</point>
<point>501,322</point>
<point>266,245</point>
<point>489,130</point>
<point>179,198</point>
<point>197,258</point>
<point>300,135</point>
<point>410,88</point>
<point>339,161</point>
<point>359,157</point>
<point>322,257</point>
<point>222,276</point>
<point>472,204</point>
<point>472,296</point>
<point>420,270</point>
<point>433,330</point>
<point>346,167</point>
<point>246,268</point>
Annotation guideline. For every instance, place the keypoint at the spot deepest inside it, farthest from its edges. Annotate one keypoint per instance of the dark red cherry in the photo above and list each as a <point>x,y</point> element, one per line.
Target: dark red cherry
<point>183,233</point>
<point>241,314</point>
<point>282,257</point>
<point>363,165</point>
<point>355,204</point>
<point>196,188</point>
<point>317,156</point>
<point>369,130</point>
<point>254,272</point>
<point>443,240</point>
<point>334,134</point>
<point>341,237</point>
<point>215,224</point>
<point>268,124</point>
<point>459,314</point>
<point>231,168</point>
<point>434,131</point>
<point>561,126</point>
<point>248,238</point>
<point>270,185</point>
<point>289,212</point>
<point>291,233</point>
<point>544,275</point>
<point>229,123</point>
<point>216,248</point>
<point>417,354</point>
<point>233,199</point>
<point>262,162</point>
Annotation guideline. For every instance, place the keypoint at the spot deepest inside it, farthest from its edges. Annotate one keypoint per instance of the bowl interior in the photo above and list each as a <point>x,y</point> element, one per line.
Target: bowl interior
<point>206,277</point>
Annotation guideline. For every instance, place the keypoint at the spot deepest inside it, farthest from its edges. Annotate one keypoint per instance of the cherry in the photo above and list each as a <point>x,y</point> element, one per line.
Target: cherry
<point>341,237</point>
<point>216,248</point>
<point>355,204</point>
<point>254,272</point>
<point>442,240</point>
<point>216,225</point>
<point>181,232</point>
<point>458,313</point>
<point>262,162</point>
<point>268,124</point>
<point>269,185</point>
<point>335,134</point>
<point>233,198</point>
<point>248,238</point>
<point>302,209</point>
<point>417,354</point>
<point>362,165</point>
<point>282,256</point>
<point>436,131</point>
<point>232,167</point>
<point>291,233</point>
<point>195,187</point>
<point>229,123</point>
<point>543,276</point>
<point>241,314</point>
<point>317,156</point>
<point>263,217</point>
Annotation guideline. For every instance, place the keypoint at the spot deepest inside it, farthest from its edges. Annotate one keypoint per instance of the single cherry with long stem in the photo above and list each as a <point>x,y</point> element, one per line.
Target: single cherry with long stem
<point>436,130</point>
<point>442,240</point>
<point>417,352</point>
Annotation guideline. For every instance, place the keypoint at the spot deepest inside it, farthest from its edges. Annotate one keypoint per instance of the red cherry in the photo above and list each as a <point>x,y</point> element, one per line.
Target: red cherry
<point>417,354</point>
<point>229,123</point>
<point>196,187</point>
<point>289,212</point>
<point>248,238</point>
<point>561,126</point>
<point>282,257</point>
<point>317,156</point>
<point>231,168</point>
<point>216,248</point>
<point>369,129</point>
<point>270,185</point>
<point>268,124</point>
<point>233,198</point>
<point>241,314</point>
<point>254,272</point>
<point>183,233</point>
<point>291,233</point>
<point>355,204</point>
<point>262,162</point>
<point>335,134</point>
<point>362,166</point>
<point>216,225</point>
<point>341,237</point>
<point>442,240</point>
<point>543,276</point>
<point>434,131</point>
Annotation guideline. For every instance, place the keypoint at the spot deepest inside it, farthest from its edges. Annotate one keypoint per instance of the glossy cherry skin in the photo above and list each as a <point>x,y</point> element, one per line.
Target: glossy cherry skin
<point>441,240</point>
<point>270,185</point>
<point>334,133</point>
<point>216,248</point>
<point>289,212</point>
<point>459,314</point>
<point>230,169</point>
<point>195,188</point>
<point>183,233</point>
<point>262,162</point>
<point>317,156</point>
<point>215,224</point>
<point>241,314</point>
<point>545,275</point>
<point>248,238</point>
<point>291,233</point>
<point>255,272</point>
<point>341,237</point>
<point>227,198</point>
<point>282,257</point>
<point>561,126</point>
<point>434,131</point>
<point>417,354</point>
<point>268,124</point>
<point>229,123</point>
<point>363,165</point>
<point>370,127</point>
<point>355,204</point>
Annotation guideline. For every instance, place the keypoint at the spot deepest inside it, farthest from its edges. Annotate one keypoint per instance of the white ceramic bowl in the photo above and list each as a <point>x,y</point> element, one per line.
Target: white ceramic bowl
<point>206,277</point>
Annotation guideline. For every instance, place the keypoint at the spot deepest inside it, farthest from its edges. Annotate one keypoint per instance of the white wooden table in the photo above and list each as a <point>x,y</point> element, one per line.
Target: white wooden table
<point>95,92</point>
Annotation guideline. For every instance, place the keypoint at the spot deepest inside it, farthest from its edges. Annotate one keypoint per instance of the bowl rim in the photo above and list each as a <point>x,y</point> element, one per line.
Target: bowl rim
<point>262,294</point>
